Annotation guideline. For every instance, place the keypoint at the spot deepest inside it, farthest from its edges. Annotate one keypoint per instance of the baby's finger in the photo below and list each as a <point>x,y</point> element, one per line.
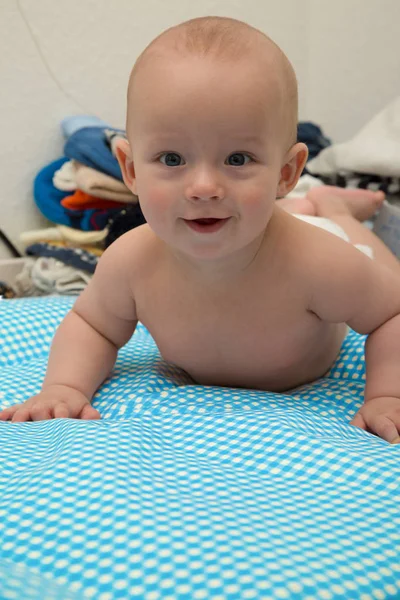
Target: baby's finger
<point>88,412</point>
<point>40,412</point>
<point>358,421</point>
<point>384,427</point>
<point>8,413</point>
<point>61,411</point>
<point>22,414</point>
<point>396,421</point>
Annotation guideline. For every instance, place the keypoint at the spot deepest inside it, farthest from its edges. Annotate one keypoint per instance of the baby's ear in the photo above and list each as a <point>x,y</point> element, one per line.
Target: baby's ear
<point>124,156</point>
<point>292,168</point>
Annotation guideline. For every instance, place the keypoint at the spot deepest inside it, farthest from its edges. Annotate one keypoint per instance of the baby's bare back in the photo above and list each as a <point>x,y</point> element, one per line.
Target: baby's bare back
<point>253,332</point>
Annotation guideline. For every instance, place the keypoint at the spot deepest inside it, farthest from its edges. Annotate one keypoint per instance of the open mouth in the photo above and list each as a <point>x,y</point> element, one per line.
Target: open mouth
<point>206,225</point>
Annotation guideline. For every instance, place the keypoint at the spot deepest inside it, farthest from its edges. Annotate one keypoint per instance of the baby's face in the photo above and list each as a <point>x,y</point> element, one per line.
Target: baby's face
<point>207,150</point>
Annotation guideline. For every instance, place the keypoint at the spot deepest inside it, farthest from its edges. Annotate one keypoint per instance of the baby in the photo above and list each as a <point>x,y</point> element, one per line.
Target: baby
<point>234,289</point>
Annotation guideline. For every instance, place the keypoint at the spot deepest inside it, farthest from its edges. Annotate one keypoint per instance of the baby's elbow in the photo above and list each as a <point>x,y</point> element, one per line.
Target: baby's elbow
<point>388,325</point>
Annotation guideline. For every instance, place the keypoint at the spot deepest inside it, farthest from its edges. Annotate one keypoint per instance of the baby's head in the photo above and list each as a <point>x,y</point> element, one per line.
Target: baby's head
<point>231,44</point>
<point>205,92</point>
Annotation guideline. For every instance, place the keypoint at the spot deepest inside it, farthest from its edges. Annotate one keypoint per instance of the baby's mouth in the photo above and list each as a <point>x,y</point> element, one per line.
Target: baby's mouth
<point>206,225</point>
<point>208,221</point>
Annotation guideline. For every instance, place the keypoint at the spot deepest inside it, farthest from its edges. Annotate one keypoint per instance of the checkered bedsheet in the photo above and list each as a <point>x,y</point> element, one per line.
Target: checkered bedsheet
<point>186,492</point>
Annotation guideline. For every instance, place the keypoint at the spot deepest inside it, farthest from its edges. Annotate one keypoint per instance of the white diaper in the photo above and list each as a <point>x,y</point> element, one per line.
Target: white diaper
<point>334,228</point>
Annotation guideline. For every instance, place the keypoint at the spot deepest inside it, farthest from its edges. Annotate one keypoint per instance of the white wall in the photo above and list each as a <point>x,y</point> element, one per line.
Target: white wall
<point>353,66</point>
<point>65,57</point>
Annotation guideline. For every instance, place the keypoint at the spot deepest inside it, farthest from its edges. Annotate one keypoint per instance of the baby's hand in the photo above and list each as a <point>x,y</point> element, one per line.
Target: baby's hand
<point>380,416</point>
<point>54,402</point>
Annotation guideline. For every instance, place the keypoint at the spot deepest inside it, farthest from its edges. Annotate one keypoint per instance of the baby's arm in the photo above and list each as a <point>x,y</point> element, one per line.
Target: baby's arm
<point>366,295</point>
<point>85,346</point>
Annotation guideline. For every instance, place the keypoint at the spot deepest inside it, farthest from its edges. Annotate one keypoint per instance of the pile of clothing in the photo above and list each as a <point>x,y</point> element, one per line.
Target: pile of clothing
<point>84,196</point>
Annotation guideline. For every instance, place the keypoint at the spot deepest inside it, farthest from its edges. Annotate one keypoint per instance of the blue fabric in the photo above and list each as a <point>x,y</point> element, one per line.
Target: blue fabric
<point>71,124</point>
<point>18,582</point>
<point>183,491</point>
<point>311,134</point>
<point>73,257</point>
<point>48,197</point>
<point>89,146</point>
<point>48,200</point>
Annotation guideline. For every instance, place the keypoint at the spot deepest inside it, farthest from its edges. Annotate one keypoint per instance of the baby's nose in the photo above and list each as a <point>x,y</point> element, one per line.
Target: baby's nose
<point>204,185</point>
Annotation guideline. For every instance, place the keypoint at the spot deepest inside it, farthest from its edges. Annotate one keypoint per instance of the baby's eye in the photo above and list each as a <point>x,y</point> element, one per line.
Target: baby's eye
<point>172,159</point>
<point>237,159</point>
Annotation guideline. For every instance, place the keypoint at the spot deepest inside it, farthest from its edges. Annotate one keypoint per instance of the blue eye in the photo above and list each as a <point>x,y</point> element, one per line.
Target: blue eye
<point>172,159</point>
<point>238,159</point>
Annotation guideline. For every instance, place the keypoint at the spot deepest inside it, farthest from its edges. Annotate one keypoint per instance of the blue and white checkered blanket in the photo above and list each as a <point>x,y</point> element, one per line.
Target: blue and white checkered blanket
<point>186,492</point>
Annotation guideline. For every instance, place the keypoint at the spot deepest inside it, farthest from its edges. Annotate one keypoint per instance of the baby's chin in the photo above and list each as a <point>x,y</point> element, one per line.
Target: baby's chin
<point>204,253</point>
<point>233,252</point>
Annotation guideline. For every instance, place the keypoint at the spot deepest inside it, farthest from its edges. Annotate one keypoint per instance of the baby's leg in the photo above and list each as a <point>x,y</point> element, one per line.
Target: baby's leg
<point>338,210</point>
<point>362,204</point>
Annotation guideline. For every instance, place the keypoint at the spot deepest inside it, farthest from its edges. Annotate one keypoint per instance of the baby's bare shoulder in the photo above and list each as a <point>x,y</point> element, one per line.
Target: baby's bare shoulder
<point>309,252</point>
<point>139,240</point>
<point>320,248</point>
<point>346,285</point>
<point>118,274</point>
<point>130,254</point>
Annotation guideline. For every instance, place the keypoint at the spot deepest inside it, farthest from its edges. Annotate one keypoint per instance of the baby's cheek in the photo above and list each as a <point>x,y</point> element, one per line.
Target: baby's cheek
<point>257,200</point>
<point>156,202</point>
<point>158,198</point>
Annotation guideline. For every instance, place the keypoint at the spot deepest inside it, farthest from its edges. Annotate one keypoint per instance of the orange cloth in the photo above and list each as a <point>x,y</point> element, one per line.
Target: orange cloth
<point>80,201</point>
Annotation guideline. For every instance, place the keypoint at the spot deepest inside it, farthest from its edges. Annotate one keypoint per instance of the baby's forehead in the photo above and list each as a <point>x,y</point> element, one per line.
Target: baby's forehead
<point>263,66</point>
<point>165,75</point>
<point>169,92</point>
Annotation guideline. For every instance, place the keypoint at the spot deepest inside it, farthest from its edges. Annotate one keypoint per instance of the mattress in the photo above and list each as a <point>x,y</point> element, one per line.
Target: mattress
<point>183,491</point>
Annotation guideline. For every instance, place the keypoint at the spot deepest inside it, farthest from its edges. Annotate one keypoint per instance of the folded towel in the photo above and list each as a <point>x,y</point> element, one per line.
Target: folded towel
<point>74,237</point>
<point>375,149</point>
<point>99,184</point>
